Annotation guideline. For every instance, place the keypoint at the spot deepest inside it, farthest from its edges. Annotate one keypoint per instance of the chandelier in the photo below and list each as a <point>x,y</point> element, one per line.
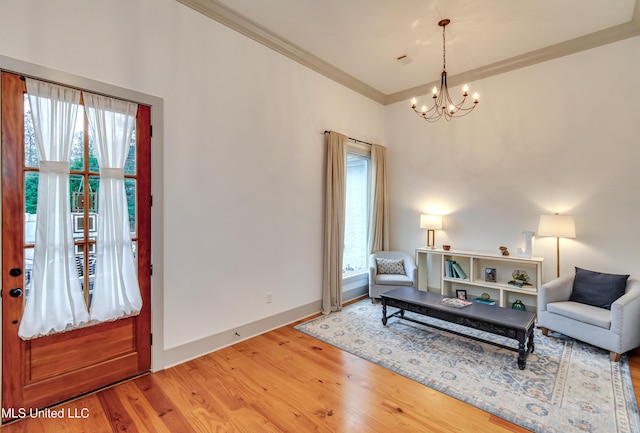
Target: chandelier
<point>443,106</point>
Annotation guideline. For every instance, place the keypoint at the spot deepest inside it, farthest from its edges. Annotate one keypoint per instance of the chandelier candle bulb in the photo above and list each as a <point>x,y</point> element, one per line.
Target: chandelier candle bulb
<point>465,90</point>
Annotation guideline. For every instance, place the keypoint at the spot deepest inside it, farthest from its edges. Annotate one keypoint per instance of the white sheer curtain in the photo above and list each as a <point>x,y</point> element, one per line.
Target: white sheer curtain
<point>55,301</point>
<point>116,292</point>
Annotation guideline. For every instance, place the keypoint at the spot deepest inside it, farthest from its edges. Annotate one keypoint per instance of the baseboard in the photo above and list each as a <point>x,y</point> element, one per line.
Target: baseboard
<point>350,295</point>
<point>195,349</point>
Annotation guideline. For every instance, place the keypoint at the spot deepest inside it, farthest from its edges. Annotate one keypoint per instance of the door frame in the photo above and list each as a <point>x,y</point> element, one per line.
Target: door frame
<point>157,242</point>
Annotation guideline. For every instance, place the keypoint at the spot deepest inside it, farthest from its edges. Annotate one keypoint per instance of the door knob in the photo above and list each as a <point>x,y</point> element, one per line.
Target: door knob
<point>16,292</point>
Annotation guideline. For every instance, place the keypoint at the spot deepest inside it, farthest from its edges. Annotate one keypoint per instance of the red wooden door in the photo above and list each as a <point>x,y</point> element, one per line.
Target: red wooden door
<point>47,370</point>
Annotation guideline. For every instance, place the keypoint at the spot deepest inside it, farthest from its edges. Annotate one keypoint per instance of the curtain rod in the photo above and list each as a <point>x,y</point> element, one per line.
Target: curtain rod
<point>352,139</point>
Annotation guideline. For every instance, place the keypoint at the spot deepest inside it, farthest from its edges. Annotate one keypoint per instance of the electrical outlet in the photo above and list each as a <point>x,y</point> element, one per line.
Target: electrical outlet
<point>269,297</point>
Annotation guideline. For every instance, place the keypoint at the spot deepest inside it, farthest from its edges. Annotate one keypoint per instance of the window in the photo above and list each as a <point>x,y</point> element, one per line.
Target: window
<point>356,227</point>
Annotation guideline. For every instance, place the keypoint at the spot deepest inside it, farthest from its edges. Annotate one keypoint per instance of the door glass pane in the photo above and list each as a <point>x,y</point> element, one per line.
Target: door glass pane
<point>77,147</point>
<point>31,194</point>
<point>130,163</point>
<point>31,204</point>
<point>130,190</point>
<point>94,166</point>
<point>30,148</point>
<point>28,269</point>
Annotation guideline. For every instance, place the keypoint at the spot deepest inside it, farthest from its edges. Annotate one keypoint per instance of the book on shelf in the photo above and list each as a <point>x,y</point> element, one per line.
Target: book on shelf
<point>458,270</point>
<point>448,271</point>
<point>453,270</point>
<point>455,302</point>
<point>482,301</point>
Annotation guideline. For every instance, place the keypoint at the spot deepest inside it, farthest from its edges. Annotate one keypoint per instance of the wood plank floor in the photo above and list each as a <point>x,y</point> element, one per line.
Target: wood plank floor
<point>281,381</point>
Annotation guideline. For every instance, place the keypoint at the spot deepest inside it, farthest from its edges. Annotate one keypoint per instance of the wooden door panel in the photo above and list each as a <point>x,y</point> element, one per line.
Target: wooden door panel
<point>47,370</point>
<point>81,349</point>
<point>65,386</point>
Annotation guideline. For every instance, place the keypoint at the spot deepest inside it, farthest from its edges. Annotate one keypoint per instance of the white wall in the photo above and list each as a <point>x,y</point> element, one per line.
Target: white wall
<point>561,136</point>
<point>243,148</point>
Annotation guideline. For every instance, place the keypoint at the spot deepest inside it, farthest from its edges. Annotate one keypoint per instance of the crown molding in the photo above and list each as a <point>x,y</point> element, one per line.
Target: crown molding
<point>224,15</point>
<point>228,17</point>
<point>593,40</point>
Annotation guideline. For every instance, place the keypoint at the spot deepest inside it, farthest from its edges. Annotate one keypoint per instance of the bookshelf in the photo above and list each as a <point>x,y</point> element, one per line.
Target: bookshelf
<point>435,276</point>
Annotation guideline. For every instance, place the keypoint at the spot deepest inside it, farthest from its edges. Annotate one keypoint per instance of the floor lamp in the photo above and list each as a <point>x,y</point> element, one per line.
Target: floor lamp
<point>557,226</point>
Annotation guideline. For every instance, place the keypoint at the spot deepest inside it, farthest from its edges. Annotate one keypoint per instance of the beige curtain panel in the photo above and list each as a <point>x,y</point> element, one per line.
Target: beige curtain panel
<point>335,196</point>
<point>379,213</point>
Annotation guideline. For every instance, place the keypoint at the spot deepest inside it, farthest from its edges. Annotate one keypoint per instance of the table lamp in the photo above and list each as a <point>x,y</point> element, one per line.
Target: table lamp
<point>431,223</point>
<point>557,226</point>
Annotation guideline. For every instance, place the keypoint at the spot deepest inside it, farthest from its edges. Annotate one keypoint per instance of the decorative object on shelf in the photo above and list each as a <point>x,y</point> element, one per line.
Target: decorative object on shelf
<point>461,294</point>
<point>528,245</point>
<point>518,305</point>
<point>446,247</point>
<point>504,250</point>
<point>431,223</point>
<point>490,275</point>
<point>521,277</point>
<point>485,297</point>
<point>557,226</point>
<point>443,106</point>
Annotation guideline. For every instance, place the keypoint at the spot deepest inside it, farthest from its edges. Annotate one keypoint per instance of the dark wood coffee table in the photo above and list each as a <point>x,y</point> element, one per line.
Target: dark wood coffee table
<point>505,322</point>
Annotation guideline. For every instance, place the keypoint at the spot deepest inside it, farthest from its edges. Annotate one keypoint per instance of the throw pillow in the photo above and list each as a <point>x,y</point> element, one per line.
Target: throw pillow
<point>390,266</point>
<point>597,288</point>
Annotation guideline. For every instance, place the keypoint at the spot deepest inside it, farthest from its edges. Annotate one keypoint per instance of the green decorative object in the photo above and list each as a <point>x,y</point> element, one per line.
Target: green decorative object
<point>485,297</point>
<point>521,277</point>
<point>518,305</point>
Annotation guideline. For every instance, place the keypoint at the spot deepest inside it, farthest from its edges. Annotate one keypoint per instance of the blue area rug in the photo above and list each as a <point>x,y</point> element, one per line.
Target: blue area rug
<point>567,386</point>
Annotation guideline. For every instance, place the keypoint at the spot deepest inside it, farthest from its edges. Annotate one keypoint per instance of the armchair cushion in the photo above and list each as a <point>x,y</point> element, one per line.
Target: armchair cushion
<point>582,313</point>
<point>394,280</point>
<point>390,266</point>
<point>597,288</point>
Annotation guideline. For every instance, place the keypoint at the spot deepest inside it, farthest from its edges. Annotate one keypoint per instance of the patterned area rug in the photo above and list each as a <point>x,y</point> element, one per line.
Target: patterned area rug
<point>567,386</point>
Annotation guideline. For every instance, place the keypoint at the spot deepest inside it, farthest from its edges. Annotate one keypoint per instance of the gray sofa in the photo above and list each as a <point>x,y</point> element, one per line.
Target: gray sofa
<point>616,330</point>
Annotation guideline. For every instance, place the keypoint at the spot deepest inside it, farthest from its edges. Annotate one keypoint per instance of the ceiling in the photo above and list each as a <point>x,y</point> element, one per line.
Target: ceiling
<point>358,42</point>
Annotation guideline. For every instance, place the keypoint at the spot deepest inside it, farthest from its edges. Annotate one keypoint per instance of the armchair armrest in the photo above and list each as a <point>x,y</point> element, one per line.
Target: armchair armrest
<point>373,270</point>
<point>557,290</point>
<point>625,311</point>
<point>411,270</point>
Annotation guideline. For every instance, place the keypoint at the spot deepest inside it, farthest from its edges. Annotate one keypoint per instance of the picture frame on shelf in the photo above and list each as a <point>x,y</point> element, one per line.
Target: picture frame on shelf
<point>461,294</point>
<point>490,275</point>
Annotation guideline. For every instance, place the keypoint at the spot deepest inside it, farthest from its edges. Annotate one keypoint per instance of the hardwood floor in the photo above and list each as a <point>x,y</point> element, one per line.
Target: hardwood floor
<point>281,381</point>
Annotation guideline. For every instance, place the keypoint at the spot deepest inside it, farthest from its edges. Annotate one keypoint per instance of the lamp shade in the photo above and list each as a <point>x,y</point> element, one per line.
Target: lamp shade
<point>432,222</point>
<point>559,226</point>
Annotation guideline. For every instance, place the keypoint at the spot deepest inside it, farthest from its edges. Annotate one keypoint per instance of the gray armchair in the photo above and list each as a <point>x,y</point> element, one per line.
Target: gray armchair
<point>616,330</point>
<point>382,282</point>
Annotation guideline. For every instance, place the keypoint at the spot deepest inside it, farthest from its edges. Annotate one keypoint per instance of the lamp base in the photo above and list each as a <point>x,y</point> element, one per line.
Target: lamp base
<point>431,239</point>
